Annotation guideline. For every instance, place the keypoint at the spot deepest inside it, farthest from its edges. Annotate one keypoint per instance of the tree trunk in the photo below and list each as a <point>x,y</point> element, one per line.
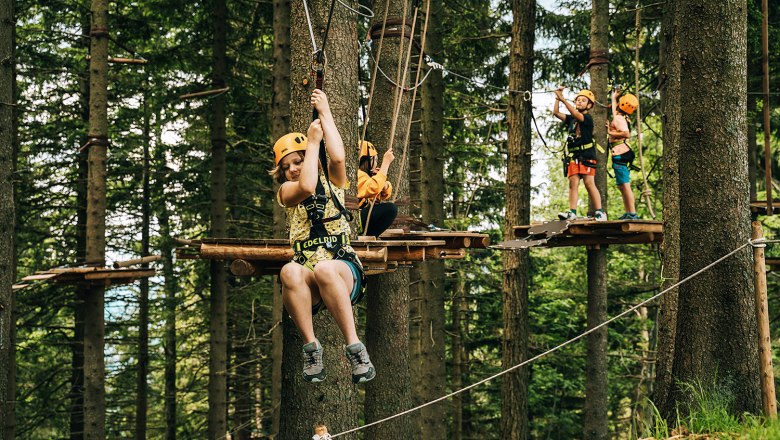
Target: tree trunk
<point>94,325</point>
<point>333,402</point>
<point>752,145</point>
<point>280,125</point>
<point>143,294</point>
<point>7,253</point>
<point>218,311</point>
<point>596,371</point>
<point>458,312</point>
<point>667,311</point>
<point>514,385</point>
<point>716,339</point>
<point>428,367</point>
<point>387,311</point>
<point>169,284</point>
<point>77,350</point>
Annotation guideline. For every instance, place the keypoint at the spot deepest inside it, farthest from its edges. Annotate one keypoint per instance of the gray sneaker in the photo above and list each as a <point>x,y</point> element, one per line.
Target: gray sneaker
<point>313,370</point>
<point>567,215</point>
<point>362,368</point>
<point>600,216</point>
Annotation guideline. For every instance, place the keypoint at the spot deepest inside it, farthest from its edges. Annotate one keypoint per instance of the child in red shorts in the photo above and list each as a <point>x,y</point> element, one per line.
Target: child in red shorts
<point>580,144</point>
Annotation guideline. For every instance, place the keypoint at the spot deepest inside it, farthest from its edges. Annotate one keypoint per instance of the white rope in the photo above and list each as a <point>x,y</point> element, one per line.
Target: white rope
<point>356,11</point>
<point>558,347</point>
<point>432,65</point>
<point>311,31</point>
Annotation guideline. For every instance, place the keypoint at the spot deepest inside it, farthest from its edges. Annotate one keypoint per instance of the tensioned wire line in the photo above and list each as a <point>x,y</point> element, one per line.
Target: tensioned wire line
<point>757,243</point>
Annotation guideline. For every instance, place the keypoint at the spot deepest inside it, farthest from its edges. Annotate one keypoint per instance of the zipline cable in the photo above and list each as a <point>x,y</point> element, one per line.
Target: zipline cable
<point>750,242</point>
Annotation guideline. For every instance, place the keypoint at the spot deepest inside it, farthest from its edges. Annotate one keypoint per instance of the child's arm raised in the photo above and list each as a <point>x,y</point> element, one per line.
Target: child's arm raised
<point>293,192</point>
<point>337,169</point>
<point>556,107</point>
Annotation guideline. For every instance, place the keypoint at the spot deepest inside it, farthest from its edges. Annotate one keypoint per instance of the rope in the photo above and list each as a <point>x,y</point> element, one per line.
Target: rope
<point>757,242</point>
<point>429,61</point>
<point>311,31</point>
<point>356,11</point>
<point>370,99</point>
<point>414,92</point>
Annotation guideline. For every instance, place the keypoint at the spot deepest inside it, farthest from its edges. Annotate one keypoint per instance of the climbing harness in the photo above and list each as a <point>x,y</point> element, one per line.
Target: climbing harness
<point>315,204</point>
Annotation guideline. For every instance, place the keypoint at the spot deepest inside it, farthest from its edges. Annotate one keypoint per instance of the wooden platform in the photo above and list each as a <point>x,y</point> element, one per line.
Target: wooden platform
<point>585,232</point>
<point>395,248</point>
<point>85,274</point>
<point>758,207</point>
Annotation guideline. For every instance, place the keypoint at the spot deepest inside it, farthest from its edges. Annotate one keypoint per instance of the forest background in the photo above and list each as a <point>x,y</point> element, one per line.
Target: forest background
<point>164,141</point>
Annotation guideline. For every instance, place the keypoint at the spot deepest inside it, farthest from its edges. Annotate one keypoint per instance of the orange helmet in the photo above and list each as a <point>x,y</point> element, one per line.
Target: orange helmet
<point>367,149</point>
<point>289,143</point>
<point>588,94</point>
<point>628,103</point>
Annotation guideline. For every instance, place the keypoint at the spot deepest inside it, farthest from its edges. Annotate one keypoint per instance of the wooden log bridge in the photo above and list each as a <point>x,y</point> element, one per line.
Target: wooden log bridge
<point>86,274</point>
<point>584,232</point>
<point>394,249</point>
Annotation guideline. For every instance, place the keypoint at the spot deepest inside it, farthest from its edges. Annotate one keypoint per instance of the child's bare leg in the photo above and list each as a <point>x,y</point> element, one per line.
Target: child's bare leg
<point>574,188</point>
<point>335,282</point>
<point>593,192</point>
<point>297,297</point>
<point>628,197</point>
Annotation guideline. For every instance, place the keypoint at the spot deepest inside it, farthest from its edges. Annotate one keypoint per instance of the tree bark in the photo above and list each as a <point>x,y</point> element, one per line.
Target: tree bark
<point>387,311</point>
<point>218,311</point>
<point>716,338</point>
<point>428,363</point>
<point>94,325</point>
<point>596,422</point>
<point>514,385</point>
<point>670,249</point>
<point>77,350</point>
<point>280,125</point>
<point>169,284</point>
<point>7,214</point>
<point>752,145</point>
<point>335,401</point>
<point>142,387</point>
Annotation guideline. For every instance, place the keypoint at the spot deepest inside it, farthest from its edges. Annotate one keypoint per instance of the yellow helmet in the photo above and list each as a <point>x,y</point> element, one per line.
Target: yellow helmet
<point>628,103</point>
<point>367,149</point>
<point>289,143</point>
<point>588,94</point>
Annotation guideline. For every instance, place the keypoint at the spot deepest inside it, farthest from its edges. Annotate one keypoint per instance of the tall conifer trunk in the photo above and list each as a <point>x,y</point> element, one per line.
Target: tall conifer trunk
<point>169,283</point>
<point>387,312</point>
<point>280,125</point>
<point>77,350</point>
<point>514,386</point>
<point>716,339</point>
<point>334,401</point>
<point>596,370</point>
<point>143,294</point>
<point>667,312</point>
<point>218,311</point>
<point>94,324</point>
<point>7,214</point>
<point>428,357</point>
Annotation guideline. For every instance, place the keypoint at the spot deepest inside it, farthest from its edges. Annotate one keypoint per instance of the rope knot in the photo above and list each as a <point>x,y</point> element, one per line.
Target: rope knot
<point>758,242</point>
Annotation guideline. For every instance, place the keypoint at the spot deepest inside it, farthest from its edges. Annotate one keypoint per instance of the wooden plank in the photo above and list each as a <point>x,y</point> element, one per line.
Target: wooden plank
<point>119,274</point>
<point>39,276</point>
<point>633,226</point>
<point>592,240</point>
<point>259,253</point>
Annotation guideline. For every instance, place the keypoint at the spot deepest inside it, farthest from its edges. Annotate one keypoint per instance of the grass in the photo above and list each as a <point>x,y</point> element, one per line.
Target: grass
<point>708,416</point>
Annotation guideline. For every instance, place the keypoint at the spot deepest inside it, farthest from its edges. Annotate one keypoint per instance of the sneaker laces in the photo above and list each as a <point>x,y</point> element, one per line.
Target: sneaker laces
<point>312,358</point>
<point>359,358</point>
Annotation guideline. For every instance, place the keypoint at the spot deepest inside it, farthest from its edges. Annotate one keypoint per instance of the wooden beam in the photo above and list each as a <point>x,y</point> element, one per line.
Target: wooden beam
<point>142,260</point>
<point>204,93</point>
<point>255,253</point>
<point>589,240</point>
<point>118,274</point>
<point>762,316</point>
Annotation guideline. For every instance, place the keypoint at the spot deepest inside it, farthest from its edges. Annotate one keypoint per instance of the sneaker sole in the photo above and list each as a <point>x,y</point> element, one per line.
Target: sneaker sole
<point>363,379</point>
<point>315,379</point>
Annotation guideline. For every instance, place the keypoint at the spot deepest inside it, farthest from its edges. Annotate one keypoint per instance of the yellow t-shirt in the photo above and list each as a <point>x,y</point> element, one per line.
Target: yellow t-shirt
<point>299,225</point>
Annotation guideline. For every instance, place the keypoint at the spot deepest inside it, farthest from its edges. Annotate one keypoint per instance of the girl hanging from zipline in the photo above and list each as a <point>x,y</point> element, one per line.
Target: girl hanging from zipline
<point>582,148</point>
<point>376,213</point>
<point>619,132</point>
<point>325,271</point>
